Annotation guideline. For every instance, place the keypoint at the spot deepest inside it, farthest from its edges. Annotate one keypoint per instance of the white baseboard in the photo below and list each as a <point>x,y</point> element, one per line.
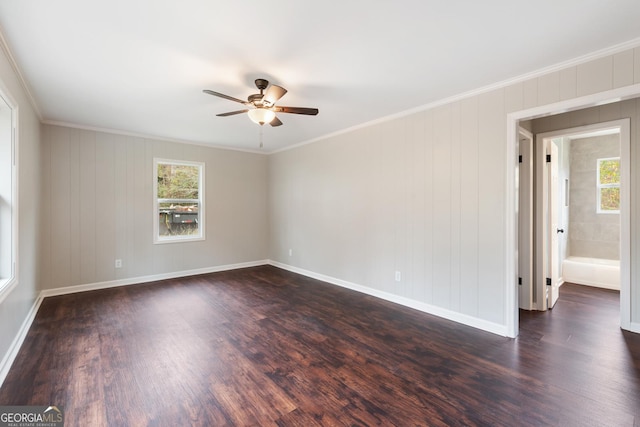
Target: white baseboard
<point>145,279</point>
<point>12,353</point>
<point>407,302</point>
<point>633,327</point>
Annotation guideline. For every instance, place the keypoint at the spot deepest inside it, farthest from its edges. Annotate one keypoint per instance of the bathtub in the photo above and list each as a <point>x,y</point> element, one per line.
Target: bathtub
<point>602,273</point>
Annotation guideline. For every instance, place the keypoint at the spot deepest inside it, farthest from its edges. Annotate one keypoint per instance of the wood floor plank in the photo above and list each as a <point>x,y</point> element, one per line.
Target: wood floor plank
<point>263,346</point>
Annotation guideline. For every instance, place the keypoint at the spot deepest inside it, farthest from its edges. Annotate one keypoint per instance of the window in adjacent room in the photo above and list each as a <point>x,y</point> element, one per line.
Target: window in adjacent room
<point>609,185</point>
<point>178,201</point>
<point>8,197</point>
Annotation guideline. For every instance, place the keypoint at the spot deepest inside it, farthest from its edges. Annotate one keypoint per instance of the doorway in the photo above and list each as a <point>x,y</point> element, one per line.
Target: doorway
<point>600,101</point>
<point>579,182</point>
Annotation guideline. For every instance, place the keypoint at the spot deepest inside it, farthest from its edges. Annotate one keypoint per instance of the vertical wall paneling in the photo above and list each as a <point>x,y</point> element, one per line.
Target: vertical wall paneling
<point>549,88</point>
<point>469,200</point>
<point>105,204</point>
<point>568,83</point>
<point>441,206</point>
<point>142,257</point>
<point>429,219</point>
<point>514,98</point>
<point>101,208</point>
<point>623,69</point>
<point>45,211</point>
<point>120,210</point>
<point>595,76</point>
<point>418,208</point>
<point>530,92</point>
<point>404,257</point>
<point>492,163</point>
<point>128,253</point>
<point>59,216</point>
<point>636,65</point>
<point>74,206</point>
<point>455,251</point>
<point>456,208</point>
<point>88,198</point>
<point>423,195</point>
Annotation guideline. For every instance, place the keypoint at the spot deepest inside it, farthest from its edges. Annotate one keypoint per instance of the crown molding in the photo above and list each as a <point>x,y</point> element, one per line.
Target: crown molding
<point>612,50</point>
<point>25,85</point>
<point>147,136</point>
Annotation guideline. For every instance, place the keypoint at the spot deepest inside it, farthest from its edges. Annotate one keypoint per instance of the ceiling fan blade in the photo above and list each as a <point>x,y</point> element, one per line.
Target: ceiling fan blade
<point>222,95</point>
<point>231,113</point>
<point>296,110</point>
<point>274,92</point>
<point>276,122</point>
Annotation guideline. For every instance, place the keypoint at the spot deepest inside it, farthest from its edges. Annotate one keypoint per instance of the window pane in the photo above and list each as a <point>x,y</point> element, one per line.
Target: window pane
<point>179,208</point>
<point>610,171</point>
<point>178,181</point>
<point>178,219</point>
<point>610,199</point>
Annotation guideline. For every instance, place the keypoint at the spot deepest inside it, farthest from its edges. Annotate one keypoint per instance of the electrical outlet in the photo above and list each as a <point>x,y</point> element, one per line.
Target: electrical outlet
<point>118,263</point>
<point>398,276</point>
<point>290,252</point>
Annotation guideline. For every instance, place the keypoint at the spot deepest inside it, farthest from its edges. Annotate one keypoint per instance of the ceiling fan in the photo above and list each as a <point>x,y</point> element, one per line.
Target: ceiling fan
<point>262,105</point>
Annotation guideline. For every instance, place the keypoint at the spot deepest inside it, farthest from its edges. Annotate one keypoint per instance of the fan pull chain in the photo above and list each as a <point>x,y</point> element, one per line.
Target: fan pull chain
<point>260,136</point>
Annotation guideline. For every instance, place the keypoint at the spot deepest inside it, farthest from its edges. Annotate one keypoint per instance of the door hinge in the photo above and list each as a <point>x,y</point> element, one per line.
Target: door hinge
<point>548,158</point>
<point>520,158</point>
<point>519,280</point>
<point>548,281</point>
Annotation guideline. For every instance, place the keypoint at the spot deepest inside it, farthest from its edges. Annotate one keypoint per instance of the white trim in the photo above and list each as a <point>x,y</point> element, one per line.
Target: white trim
<point>27,88</point>
<point>11,354</point>
<point>146,279</point>
<point>498,85</point>
<point>10,283</point>
<point>407,302</point>
<point>201,203</point>
<point>631,44</point>
<point>147,136</point>
<point>14,348</point>
<point>634,327</point>
<point>600,98</point>
<point>600,186</point>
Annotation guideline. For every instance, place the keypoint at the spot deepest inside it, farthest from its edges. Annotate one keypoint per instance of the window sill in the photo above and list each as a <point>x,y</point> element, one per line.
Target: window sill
<point>6,286</point>
<point>160,241</point>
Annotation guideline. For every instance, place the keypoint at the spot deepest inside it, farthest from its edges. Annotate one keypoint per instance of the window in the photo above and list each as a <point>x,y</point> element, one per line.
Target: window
<point>8,197</point>
<point>178,201</point>
<point>609,185</point>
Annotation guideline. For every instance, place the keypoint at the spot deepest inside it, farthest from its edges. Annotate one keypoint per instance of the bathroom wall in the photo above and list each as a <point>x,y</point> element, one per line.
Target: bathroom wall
<point>591,234</point>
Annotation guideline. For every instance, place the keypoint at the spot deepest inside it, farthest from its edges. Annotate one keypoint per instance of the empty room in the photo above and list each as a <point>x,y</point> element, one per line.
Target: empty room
<point>319,213</point>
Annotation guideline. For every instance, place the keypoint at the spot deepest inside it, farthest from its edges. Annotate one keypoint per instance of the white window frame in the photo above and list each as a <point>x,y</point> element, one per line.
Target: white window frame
<point>601,186</point>
<point>8,283</point>
<point>157,239</point>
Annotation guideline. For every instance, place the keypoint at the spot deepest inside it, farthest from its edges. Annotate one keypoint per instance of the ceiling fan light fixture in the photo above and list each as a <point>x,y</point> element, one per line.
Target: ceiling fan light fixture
<point>261,115</point>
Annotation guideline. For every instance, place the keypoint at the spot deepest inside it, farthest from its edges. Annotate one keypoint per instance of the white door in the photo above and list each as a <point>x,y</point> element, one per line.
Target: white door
<point>552,231</point>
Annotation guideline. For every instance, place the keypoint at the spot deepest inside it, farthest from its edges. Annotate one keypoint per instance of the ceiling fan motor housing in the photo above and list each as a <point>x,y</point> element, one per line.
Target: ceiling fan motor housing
<point>262,84</point>
<point>255,99</point>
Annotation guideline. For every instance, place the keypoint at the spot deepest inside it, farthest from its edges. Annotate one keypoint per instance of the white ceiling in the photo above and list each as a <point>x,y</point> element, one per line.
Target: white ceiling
<point>140,66</point>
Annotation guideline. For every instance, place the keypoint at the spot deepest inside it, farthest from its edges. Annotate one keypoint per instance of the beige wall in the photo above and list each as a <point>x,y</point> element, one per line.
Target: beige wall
<point>97,206</point>
<point>15,308</point>
<point>424,195</point>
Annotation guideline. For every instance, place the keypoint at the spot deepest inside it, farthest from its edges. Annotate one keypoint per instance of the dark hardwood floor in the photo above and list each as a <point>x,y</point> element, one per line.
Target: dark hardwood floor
<point>262,346</point>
